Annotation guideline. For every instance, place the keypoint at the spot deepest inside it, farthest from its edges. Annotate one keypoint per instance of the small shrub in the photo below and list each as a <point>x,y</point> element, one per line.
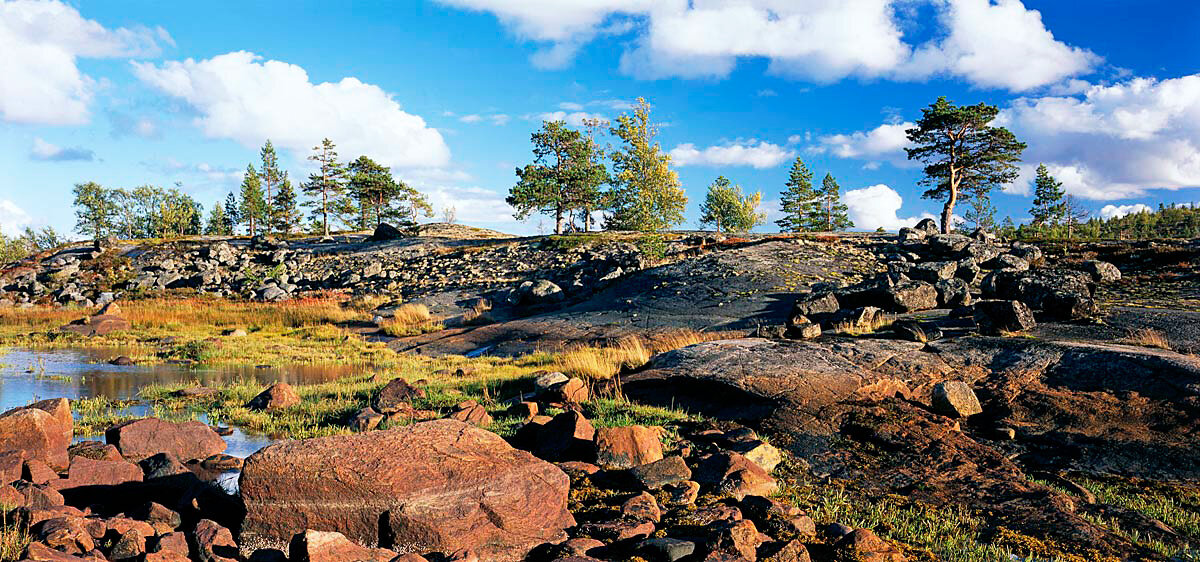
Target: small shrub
<point>1148,337</point>
<point>653,246</point>
<point>410,320</point>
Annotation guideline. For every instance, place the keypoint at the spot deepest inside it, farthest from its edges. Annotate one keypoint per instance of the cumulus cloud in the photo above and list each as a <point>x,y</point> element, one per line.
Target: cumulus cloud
<point>573,118</point>
<point>239,96</point>
<point>13,218</point>
<point>992,43</point>
<point>998,44</point>
<point>42,42</point>
<point>1118,211</point>
<point>48,152</point>
<point>756,154</point>
<point>1114,141</point>
<point>886,141</point>
<point>878,206</point>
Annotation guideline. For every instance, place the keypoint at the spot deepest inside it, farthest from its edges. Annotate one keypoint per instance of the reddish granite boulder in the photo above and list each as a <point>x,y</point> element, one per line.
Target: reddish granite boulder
<point>98,325</point>
<point>434,486</point>
<point>627,447</point>
<point>214,543</point>
<point>142,438</point>
<point>88,472</point>
<point>10,465</point>
<point>330,546</point>
<point>36,432</point>
<point>60,408</point>
<point>276,397</point>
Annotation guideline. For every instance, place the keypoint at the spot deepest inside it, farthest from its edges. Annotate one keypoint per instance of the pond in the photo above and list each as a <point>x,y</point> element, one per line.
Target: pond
<point>28,375</point>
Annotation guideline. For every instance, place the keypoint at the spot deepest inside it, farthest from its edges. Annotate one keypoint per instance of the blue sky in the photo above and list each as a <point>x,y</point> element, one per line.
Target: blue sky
<point>447,92</point>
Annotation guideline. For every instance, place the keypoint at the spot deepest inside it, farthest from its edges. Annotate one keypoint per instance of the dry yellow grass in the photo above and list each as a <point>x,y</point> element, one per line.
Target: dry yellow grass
<point>630,352</point>
<point>1148,337</point>
<point>410,320</point>
<point>855,329</point>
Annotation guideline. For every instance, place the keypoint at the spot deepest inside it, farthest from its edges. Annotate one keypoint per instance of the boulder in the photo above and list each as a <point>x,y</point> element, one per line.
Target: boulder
<point>385,232</point>
<point>928,227</point>
<point>802,330</point>
<point>911,296</point>
<point>473,414</point>
<point>86,472</point>
<point>933,271</point>
<point>533,293</point>
<point>1101,271</point>
<point>397,395</point>
<point>572,391</point>
<point>995,317</point>
<point>627,447</point>
<point>331,546</point>
<point>655,475</point>
<point>37,433</point>
<point>214,543</point>
<point>955,399</point>
<point>815,305</point>
<point>948,244</point>
<point>60,408</point>
<point>276,397</point>
<point>1007,262</point>
<point>139,439</point>
<point>98,325</point>
<point>952,293</point>
<point>568,436</point>
<point>366,419</point>
<point>434,486</point>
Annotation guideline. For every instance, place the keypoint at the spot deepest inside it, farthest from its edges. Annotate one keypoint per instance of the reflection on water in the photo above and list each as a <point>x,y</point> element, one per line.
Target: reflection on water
<point>30,375</point>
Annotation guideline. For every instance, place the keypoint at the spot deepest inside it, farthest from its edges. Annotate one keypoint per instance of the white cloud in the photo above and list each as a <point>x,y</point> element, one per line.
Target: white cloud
<point>885,141</point>
<point>877,206</point>
<point>495,118</point>
<point>756,154</point>
<point>41,42</point>
<point>1117,211</point>
<point>13,218</point>
<point>472,118</point>
<point>1115,141</point>
<point>240,97</point>
<point>48,152</point>
<point>1001,44</point>
<point>998,44</point>
<point>570,106</point>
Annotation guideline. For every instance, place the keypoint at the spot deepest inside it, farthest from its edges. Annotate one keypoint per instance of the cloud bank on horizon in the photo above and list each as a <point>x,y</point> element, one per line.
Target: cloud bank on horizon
<point>1106,139</point>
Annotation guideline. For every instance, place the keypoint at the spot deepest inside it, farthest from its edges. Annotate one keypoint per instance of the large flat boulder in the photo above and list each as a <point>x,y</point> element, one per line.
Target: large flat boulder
<point>139,439</point>
<point>36,432</point>
<point>438,486</point>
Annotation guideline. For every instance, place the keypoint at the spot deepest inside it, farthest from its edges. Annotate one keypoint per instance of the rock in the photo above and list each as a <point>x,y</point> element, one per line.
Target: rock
<point>385,232</point>
<point>366,419</point>
<point>174,542</point>
<point>39,552</point>
<point>546,381</point>
<point>968,270</point>
<point>816,305</point>
<point>276,397</point>
<point>95,450</point>
<point>86,472</point>
<point>864,545</point>
<point>1027,252</point>
<point>525,411</point>
<point>955,399</point>
<point>948,244</point>
<point>802,330</point>
<point>397,395</point>
<point>128,546</point>
<point>37,433</point>
<point>221,462</point>
<point>862,319</point>
<point>618,530</point>
<point>996,317</point>
<point>11,464</point>
<point>573,391</point>
<point>655,475</point>
<point>568,436</point>
<point>214,543</point>
<point>533,293</point>
<point>160,518</point>
<point>162,465</point>
<point>627,447</point>
<point>331,546</point>
<point>38,472</point>
<point>1068,305</point>
<point>139,439</point>
<point>1008,262</point>
<point>642,506</point>
<point>760,453</point>
<point>952,293</point>
<point>1101,271</point>
<point>66,534</point>
<point>740,538</point>
<point>910,235</point>
<point>474,414</point>
<point>438,486</point>
<point>912,330</point>
<point>99,325</point>
<point>122,361</point>
<point>682,493</point>
<point>928,227</point>
<point>911,296</point>
<point>933,271</point>
<point>666,549</point>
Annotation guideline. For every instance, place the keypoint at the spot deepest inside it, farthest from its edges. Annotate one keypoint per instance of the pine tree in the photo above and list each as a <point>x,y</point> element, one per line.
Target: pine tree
<point>325,186</point>
<point>218,223</point>
<point>834,214</point>
<point>381,197</point>
<point>980,212</point>
<point>270,178</point>
<point>232,214</point>
<point>799,201</point>
<point>961,150</point>
<point>646,194</point>
<point>564,176</point>
<point>726,208</point>
<point>286,212</point>
<point>253,207</point>
<point>1048,209</point>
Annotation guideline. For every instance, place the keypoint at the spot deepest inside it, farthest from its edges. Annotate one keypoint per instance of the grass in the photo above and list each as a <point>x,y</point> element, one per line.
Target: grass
<point>877,323</point>
<point>410,320</point>
<point>605,361</point>
<point>1148,337</point>
<point>14,537</point>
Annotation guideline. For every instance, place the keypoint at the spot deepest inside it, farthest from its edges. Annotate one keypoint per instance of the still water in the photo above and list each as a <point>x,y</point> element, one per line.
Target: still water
<point>30,375</point>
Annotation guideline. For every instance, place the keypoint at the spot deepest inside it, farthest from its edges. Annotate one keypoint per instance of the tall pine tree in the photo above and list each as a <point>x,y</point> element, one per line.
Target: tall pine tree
<point>286,215</point>
<point>799,200</point>
<point>834,214</point>
<point>270,177</point>
<point>1049,208</point>
<point>325,185</point>
<point>233,213</point>
<point>253,208</point>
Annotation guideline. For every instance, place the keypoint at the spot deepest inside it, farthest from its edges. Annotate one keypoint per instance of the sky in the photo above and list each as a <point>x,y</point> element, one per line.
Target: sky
<point>1106,94</point>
